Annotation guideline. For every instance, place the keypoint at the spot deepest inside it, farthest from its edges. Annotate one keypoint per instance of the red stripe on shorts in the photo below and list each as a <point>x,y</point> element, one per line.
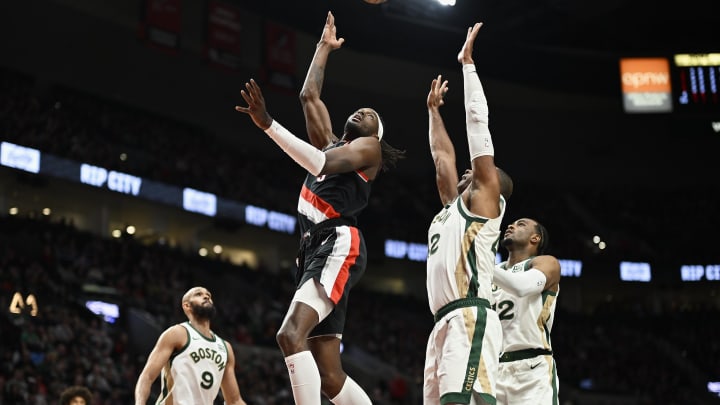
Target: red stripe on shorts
<point>344,272</point>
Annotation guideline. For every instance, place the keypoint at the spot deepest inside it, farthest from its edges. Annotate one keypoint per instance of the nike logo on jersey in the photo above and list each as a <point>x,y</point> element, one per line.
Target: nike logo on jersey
<point>449,319</point>
<point>535,365</point>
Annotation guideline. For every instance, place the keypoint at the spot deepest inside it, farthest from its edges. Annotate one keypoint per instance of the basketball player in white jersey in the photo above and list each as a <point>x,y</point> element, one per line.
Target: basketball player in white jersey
<point>527,286</point>
<point>464,346</point>
<point>195,362</point>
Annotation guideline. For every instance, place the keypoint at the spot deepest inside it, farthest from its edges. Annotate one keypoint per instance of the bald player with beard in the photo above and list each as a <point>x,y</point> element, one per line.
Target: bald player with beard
<point>195,363</point>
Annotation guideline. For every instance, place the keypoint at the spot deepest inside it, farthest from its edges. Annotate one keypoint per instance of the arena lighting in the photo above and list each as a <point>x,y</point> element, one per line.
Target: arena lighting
<point>635,271</point>
<point>570,268</point>
<point>110,312</point>
<point>690,272</point>
<point>19,157</point>
<point>199,202</point>
<point>714,387</point>
<point>196,201</point>
<point>426,13</point>
<point>116,181</point>
<point>276,221</point>
<point>398,249</point>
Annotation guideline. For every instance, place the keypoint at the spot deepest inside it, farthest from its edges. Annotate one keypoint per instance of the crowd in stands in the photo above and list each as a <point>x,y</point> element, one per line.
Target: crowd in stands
<point>606,349</point>
<point>86,128</point>
<point>609,350</point>
<point>81,127</point>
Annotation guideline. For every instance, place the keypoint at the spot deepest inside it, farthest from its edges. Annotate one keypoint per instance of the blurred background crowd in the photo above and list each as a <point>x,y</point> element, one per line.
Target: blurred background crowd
<point>645,349</point>
<point>615,342</point>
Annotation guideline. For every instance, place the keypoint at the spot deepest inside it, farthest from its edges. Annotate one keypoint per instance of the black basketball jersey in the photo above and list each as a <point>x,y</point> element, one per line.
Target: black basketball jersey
<point>342,195</point>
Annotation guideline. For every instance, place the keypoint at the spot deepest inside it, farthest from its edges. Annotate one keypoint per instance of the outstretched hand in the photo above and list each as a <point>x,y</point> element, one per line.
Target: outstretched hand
<point>465,54</point>
<point>256,105</point>
<point>329,34</point>
<point>438,89</point>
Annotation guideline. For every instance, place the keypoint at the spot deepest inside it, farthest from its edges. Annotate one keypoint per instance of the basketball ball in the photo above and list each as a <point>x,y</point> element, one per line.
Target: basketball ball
<point>374,1</point>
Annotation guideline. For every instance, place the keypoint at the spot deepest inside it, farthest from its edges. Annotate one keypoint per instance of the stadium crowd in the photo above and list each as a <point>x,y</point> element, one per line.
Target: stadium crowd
<point>631,349</point>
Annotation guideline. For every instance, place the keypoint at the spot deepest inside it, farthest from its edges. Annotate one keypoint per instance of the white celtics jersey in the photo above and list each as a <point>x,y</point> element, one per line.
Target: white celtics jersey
<point>461,254</point>
<point>193,375</point>
<point>526,321</point>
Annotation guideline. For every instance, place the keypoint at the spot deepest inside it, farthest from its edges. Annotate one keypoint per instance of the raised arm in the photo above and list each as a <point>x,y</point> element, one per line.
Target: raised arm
<point>317,118</point>
<point>173,338</point>
<point>307,156</point>
<point>362,154</point>
<point>484,190</point>
<point>441,148</point>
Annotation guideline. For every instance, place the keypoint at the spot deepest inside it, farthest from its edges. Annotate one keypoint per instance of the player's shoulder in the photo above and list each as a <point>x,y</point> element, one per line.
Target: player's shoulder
<point>179,326</point>
<point>548,262</point>
<point>177,331</point>
<point>548,257</point>
<point>175,337</point>
<point>175,327</point>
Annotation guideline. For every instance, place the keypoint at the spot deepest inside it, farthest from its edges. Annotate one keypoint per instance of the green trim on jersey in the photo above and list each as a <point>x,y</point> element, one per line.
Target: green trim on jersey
<point>465,214</point>
<point>213,339</point>
<point>182,349</point>
<point>473,226</point>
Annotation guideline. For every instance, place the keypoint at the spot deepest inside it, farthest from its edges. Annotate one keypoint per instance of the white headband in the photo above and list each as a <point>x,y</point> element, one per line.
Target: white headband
<point>380,128</point>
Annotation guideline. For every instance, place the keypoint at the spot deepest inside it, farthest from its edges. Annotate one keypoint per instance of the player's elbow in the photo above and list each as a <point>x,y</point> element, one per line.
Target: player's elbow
<point>307,95</point>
